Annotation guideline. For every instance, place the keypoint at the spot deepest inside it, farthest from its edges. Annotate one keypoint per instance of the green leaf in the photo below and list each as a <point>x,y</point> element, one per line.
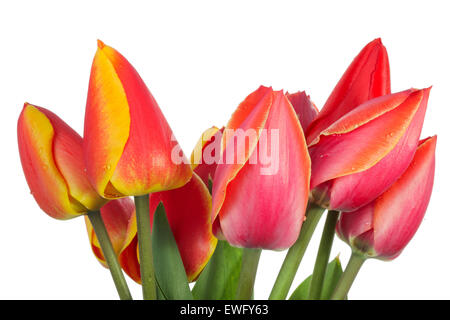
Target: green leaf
<point>170,275</point>
<point>332,276</point>
<point>219,279</point>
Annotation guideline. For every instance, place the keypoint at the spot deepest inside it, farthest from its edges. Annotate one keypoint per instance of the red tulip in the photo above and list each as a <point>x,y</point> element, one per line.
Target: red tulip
<point>305,109</point>
<point>52,160</point>
<point>253,207</point>
<point>366,78</point>
<point>128,144</point>
<point>375,142</point>
<point>384,227</point>
<point>206,154</point>
<point>120,222</point>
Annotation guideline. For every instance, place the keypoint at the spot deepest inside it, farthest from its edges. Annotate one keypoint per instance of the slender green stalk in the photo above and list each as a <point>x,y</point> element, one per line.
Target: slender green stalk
<point>109,255</point>
<point>323,255</point>
<point>349,275</point>
<point>295,254</point>
<point>145,247</point>
<point>250,260</point>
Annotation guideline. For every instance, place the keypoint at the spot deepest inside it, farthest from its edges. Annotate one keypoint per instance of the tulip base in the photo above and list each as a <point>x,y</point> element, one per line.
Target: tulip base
<point>145,247</point>
<point>295,254</point>
<point>109,255</point>
<point>348,277</point>
<point>250,260</point>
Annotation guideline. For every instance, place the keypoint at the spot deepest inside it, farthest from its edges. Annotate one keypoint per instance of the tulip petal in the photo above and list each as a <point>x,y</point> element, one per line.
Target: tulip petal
<point>188,211</point>
<point>129,142</point>
<point>250,116</point>
<point>206,154</point>
<point>352,191</point>
<point>354,143</point>
<point>367,77</point>
<point>270,215</point>
<point>305,109</point>
<point>396,216</point>
<point>106,125</point>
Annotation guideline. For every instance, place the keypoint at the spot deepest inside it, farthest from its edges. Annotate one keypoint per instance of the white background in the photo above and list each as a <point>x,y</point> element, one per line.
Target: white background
<point>200,59</point>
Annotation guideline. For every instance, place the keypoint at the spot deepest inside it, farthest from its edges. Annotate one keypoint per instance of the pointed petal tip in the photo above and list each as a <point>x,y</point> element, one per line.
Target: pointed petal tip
<point>100,44</point>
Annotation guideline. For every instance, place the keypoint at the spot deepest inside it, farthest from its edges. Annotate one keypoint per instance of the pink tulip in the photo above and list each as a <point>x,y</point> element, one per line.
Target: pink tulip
<point>384,227</point>
<point>254,208</point>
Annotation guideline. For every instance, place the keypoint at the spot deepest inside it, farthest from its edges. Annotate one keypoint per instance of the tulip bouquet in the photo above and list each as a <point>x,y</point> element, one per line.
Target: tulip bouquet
<point>263,181</point>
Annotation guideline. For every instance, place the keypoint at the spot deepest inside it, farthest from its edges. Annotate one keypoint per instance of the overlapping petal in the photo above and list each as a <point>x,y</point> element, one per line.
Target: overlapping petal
<point>206,154</point>
<point>377,139</point>
<point>52,160</point>
<point>305,109</point>
<point>257,208</point>
<point>367,77</point>
<point>128,143</point>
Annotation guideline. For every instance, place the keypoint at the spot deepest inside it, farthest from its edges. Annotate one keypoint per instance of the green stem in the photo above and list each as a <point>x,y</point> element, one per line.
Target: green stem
<point>323,255</point>
<point>347,278</point>
<point>295,254</point>
<point>109,255</point>
<point>145,247</point>
<point>250,260</point>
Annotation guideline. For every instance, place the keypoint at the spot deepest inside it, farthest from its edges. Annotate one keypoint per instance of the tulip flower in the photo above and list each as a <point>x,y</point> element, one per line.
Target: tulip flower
<point>52,160</point>
<point>259,202</point>
<point>305,109</point>
<point>384,227</point>
<point>128,142</point>
<point>120,222</point>
<point>129,148</point>
<point>206,154</point>
<point>257,209</point>
<point>345,189</point>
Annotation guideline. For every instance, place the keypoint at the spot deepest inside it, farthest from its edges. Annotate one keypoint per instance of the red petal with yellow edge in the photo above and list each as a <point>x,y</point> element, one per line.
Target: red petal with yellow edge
<point>52,162</point>
<point>206,154</point>
<point>397,216</point>
<point>266,210</point>
<point>129,143</point>
<point>352,191</point>
<point>367,77</point>
<point>188,212</point>
<point>305,109</point>
<point>349,149</point>
<point>116,216</point>
<point>250,116</point>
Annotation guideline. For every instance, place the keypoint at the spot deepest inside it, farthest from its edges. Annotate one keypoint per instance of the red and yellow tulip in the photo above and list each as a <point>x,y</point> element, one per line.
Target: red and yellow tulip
<point>250,208</point>
<point>384,227</point>
<point>128,143</point>
<point>52,160</point>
